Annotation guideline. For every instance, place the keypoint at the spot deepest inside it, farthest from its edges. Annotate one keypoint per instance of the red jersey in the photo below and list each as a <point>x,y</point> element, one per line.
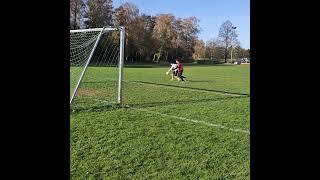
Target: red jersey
<point>180,67</point>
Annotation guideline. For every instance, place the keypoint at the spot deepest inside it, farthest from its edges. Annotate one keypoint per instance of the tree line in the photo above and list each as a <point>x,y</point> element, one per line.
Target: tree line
<point>156,38</point>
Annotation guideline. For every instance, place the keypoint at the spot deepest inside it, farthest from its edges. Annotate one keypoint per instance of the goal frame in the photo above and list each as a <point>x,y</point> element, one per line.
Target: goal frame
<point>121,29</point>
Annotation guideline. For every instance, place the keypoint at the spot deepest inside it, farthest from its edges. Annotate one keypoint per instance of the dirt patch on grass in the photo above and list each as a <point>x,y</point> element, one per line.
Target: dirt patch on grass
<point>86,92</point>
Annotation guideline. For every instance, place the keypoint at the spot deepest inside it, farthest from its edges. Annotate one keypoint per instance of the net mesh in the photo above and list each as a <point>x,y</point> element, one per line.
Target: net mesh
<point>100,81</point>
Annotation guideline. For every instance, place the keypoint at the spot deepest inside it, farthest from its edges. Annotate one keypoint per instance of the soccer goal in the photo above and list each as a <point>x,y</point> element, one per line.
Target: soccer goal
<point>96,64</point>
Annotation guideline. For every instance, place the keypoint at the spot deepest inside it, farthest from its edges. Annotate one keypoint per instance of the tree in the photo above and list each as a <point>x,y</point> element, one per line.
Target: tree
<point>98,13</point>
<point>165,34</point>
<point>187,30</point>
<point>210,48</point>
<point>227,35</point>
<point>214,50</point>
<point>127,15</point>
<point>141,39</point>
<point>190,30</point>
<point>143,31</point>
<point>77,8</point>
<point>233,44</point>
<point>241,52</point>
<point>199,49</point>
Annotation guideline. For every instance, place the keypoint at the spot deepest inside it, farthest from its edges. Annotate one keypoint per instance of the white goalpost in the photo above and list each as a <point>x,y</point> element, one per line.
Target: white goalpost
<point>96,50</point>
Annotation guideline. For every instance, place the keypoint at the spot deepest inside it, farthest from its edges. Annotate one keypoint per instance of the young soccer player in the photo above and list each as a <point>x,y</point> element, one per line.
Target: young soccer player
<point>180,70</point>
<point>174,69</point>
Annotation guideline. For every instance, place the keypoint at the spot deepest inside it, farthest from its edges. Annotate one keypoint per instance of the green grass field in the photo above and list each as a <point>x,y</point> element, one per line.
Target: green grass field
<point>167,130</point>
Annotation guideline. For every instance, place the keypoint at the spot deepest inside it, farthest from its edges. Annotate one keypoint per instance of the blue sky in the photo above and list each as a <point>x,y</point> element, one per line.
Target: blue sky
<point>211,13</point>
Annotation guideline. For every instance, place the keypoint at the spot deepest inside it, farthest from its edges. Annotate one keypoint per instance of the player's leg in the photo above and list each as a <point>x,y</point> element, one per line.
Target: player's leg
<point>176,75</point>
<point>184,78</point>
<point>180,75</point>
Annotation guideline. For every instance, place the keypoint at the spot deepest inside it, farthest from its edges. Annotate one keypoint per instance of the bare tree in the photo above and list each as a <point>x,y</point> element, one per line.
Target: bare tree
<point>227,35</point>
<point>234,43</point>
<point>214,49</point>
<point>98,13</point>
<point>126,14</point>
<point>211,48</point>
<point>77,8</point>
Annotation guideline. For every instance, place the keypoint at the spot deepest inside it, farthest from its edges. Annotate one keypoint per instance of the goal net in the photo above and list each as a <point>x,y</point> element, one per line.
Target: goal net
<point>96,62</point>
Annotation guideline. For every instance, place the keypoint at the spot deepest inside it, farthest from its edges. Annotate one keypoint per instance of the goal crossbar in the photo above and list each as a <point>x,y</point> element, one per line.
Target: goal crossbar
<point>94,29</point>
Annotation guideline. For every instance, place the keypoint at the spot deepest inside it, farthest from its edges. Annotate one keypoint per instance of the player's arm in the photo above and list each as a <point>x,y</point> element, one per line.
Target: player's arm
<point>169,70</point>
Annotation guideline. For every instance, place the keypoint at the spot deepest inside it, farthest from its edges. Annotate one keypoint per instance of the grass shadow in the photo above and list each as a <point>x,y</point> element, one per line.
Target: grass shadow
<point>151,65</point>
<point>97,107</point>
<point>182,87</point>
<point>199,81</point>
<point>103,106</point>
<point>191,88</point>
<point>158,104</point>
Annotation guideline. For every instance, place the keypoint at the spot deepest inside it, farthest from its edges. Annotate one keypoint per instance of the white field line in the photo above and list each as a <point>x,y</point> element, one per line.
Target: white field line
<point>186,119</point>
<point>194,121</point>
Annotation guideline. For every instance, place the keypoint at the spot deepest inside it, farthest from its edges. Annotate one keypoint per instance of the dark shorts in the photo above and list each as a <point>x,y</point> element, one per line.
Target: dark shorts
<point>175,73</point>
<point>180,75</point>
